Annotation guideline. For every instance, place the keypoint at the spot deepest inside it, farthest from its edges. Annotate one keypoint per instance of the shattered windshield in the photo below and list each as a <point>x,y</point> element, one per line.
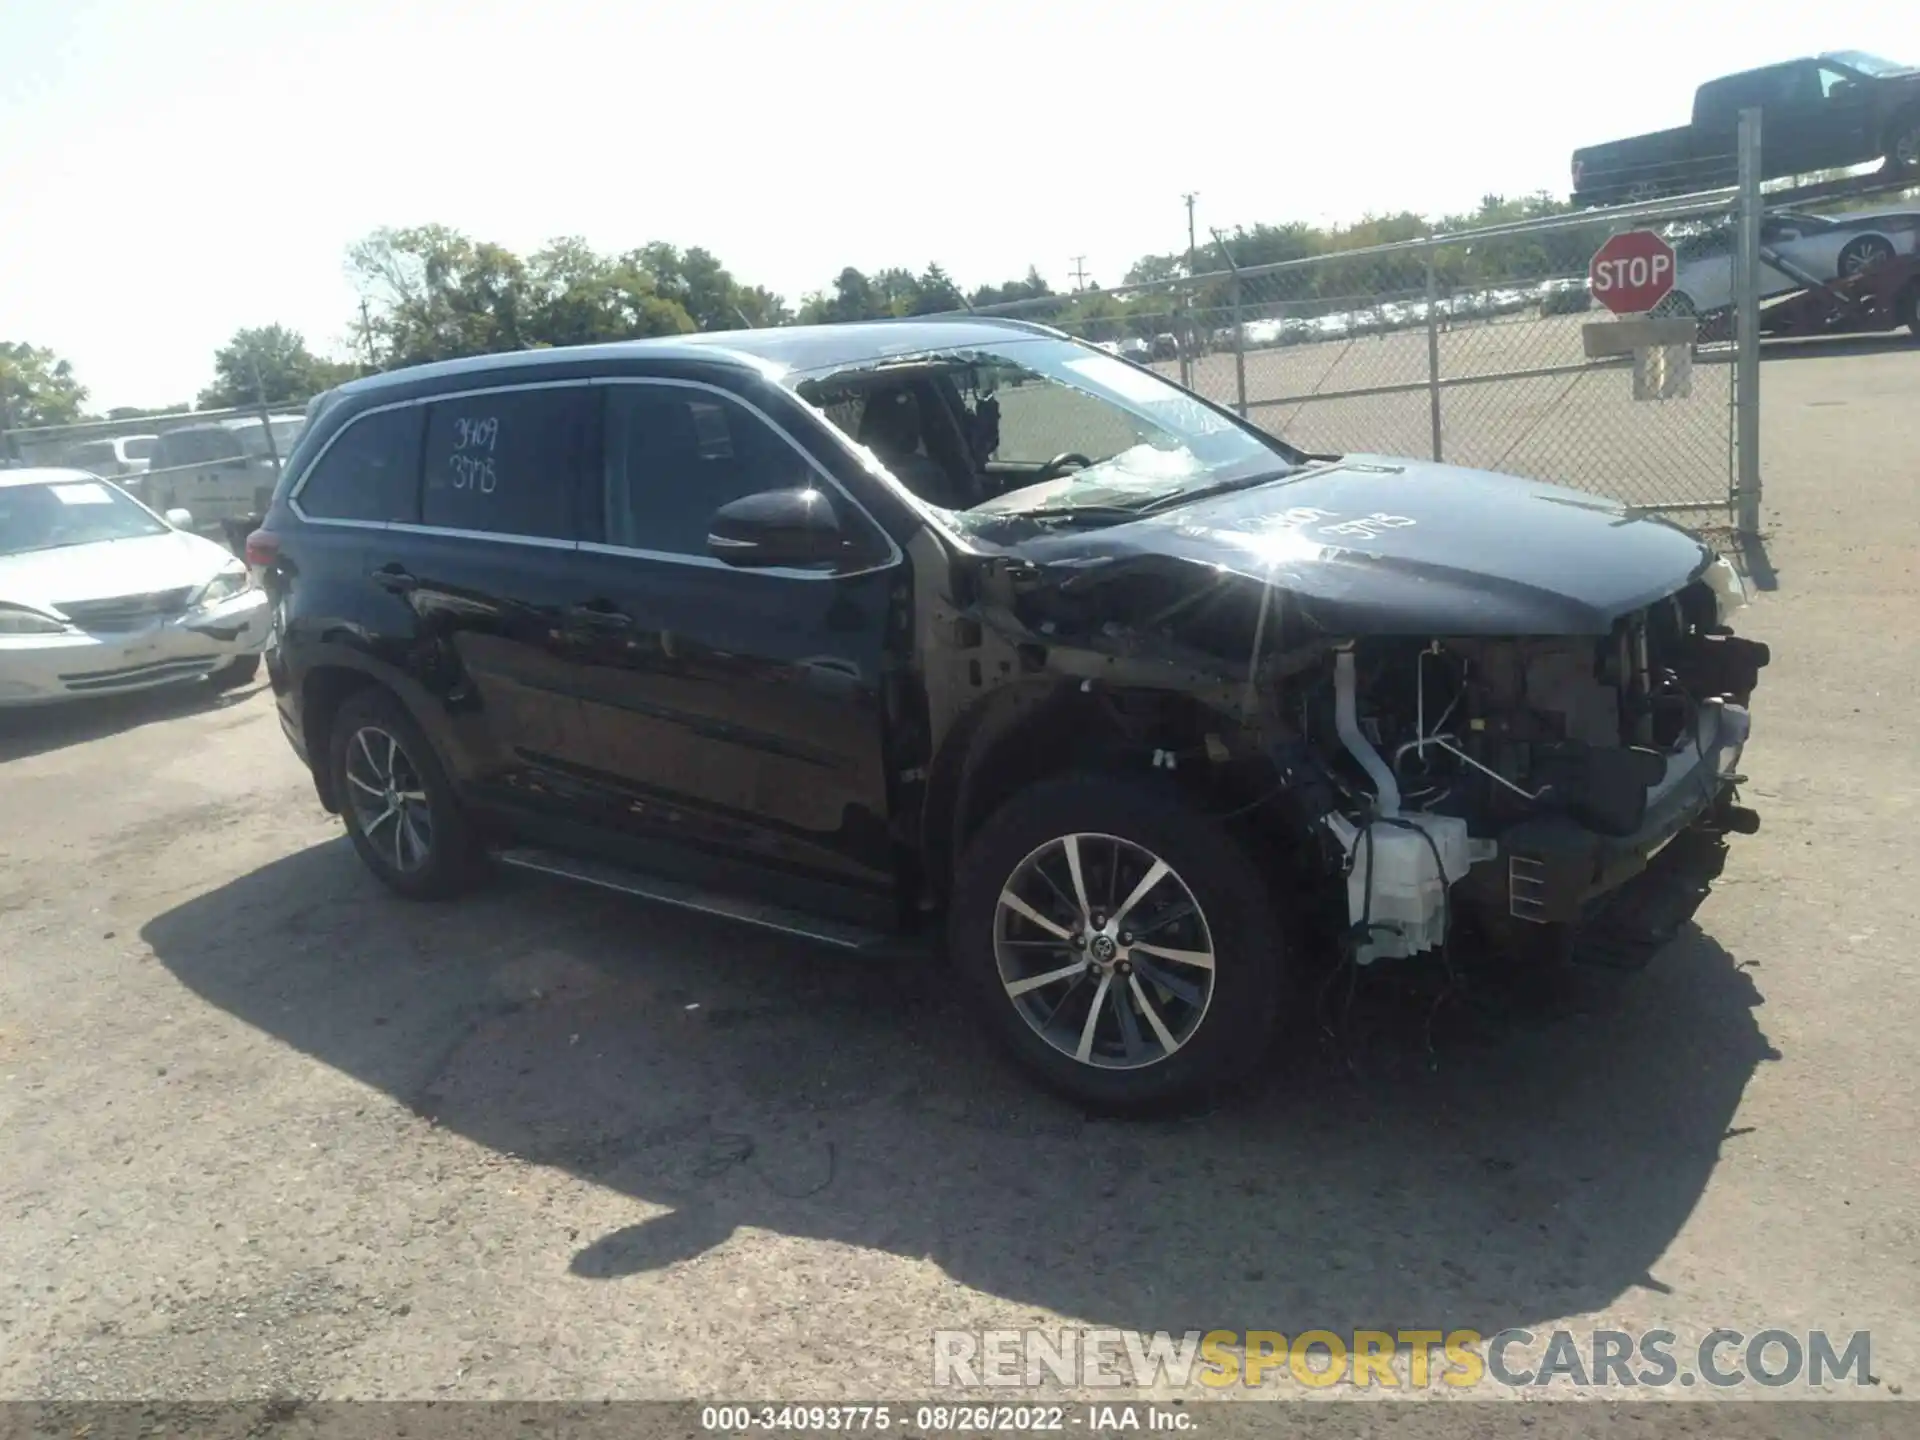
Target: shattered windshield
<point>1038,426</point>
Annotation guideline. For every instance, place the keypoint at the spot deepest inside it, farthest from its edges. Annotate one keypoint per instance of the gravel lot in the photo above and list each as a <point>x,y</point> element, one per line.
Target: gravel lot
<point>268,1131</point>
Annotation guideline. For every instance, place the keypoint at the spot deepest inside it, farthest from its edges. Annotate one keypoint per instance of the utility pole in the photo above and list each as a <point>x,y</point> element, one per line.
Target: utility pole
<point>266,419</point>
<point>1192,249</point>
<point>366,334</point>
<point>1079,272</point>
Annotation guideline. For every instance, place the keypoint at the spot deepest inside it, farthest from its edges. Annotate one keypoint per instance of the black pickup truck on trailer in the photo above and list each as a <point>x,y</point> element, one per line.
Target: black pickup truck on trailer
<point>1824,113</point>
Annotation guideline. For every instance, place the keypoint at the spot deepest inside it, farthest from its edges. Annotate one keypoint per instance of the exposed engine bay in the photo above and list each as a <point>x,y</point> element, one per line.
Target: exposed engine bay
<point>1529,773</point>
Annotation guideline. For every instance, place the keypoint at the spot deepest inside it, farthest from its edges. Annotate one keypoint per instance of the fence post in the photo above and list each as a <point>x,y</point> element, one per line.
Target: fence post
<point>1183,334</point>
<point>1239,351</point>
<point>1433,349</point>
<point>1746,367</point>
<point>266,420</point>
<point>1239,329</point>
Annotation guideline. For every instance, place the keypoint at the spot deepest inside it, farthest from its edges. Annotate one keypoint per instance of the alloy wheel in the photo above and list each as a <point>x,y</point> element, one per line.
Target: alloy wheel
<point>1104,951</point>
<point>389,799</point>
<point>1863,258</point>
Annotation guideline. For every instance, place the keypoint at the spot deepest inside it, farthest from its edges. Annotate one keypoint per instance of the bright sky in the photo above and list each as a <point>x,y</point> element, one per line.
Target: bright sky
<point>171,172</point>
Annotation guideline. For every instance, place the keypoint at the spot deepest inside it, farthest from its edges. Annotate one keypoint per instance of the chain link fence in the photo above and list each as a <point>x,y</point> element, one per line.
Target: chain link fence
<point>1472,348</point>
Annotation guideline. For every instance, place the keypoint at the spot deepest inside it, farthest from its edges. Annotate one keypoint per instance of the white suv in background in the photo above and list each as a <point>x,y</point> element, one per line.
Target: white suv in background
<point>112,456</point>
<point>223,471</point>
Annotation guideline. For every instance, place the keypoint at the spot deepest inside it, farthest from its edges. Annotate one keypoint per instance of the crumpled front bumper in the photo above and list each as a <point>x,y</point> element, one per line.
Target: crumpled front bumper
<point>44,669</point>
<point>1551,869</point>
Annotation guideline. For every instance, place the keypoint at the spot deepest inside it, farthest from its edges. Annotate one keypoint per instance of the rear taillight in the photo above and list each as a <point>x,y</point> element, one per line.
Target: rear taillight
<point>263,549</point>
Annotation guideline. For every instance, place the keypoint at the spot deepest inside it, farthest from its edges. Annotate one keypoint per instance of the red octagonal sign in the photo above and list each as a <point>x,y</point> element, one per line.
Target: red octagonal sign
<point>1632,272</point>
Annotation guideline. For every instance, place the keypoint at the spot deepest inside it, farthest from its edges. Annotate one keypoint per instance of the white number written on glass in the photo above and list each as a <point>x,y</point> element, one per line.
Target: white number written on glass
<point>476,434</point>
<point>473,472</point>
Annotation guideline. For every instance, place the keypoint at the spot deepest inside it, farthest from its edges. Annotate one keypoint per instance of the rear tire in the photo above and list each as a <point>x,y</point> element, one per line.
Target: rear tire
<point>399,808</point>
<point>1187,979</point>
<point>1903,144</point>
<point>1863,255</point>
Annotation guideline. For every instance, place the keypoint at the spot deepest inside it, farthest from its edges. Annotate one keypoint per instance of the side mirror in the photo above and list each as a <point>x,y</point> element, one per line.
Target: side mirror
<point>179,519</point>
<point>778,528</point>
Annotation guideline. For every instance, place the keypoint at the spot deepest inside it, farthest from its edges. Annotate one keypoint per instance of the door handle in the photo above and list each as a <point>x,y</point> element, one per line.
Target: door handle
<point>600,615</point>
<point>395,578</point>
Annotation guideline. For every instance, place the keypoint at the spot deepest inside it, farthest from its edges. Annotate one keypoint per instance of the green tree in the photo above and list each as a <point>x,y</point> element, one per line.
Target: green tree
<point>1031,288</point>
<point>934,294</point>
<point>578,297</point>
<point>707,291</point>
<point>853,297</point>
<point>1153,269</point>
<point>436,294</point>
<point>896,291</point>
<point>269,362</point>
<point>433,294</point>
<point>36,387</point>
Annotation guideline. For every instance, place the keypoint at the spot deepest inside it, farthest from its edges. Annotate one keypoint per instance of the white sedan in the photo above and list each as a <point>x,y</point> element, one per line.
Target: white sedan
<point>1826,247</point>
<point>99,595</point>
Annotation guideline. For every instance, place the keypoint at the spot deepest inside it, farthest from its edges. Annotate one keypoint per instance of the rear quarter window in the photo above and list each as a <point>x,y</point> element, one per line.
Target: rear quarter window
<point>370,472</point>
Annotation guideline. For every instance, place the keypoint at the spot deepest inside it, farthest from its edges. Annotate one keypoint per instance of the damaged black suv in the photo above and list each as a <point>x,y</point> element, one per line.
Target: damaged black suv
<point>964,628</point>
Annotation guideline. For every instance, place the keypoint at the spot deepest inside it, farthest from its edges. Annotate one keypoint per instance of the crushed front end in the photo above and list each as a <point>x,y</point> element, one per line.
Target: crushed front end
<point>1514,784</point>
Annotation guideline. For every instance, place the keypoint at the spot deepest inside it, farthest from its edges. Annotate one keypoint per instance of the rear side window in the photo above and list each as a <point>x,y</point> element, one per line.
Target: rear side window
<point>510,462</point>
<point>675,455</point>
<point>370,472</point>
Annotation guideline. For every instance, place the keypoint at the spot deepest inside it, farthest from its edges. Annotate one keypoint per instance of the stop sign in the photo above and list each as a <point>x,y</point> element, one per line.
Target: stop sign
<point>1632,272</point>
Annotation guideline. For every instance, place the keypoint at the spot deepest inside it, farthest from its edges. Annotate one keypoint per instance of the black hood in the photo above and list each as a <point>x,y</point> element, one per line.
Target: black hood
<point>1373,545</point>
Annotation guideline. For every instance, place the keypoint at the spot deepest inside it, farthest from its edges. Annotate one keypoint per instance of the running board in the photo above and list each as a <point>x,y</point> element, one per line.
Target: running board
<point>820,930</point>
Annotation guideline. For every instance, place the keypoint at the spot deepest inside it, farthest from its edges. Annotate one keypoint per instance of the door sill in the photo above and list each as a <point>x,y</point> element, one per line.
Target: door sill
<point>818,929</point>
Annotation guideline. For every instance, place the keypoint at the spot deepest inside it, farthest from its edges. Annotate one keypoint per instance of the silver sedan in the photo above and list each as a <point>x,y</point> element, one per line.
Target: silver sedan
<point>98,594</point>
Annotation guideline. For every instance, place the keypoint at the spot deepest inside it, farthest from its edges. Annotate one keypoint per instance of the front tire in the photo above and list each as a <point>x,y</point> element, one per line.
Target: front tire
<point>235,673</point>
<point>399,808</point>
<point>1120,943</point>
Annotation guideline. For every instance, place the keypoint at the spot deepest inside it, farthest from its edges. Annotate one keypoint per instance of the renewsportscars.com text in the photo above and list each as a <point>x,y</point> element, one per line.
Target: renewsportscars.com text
<point>1400,1359</point>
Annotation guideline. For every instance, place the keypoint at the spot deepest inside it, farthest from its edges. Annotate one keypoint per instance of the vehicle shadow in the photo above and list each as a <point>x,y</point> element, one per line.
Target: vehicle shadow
<point>37,729</point>
<point>1513,1154</point>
